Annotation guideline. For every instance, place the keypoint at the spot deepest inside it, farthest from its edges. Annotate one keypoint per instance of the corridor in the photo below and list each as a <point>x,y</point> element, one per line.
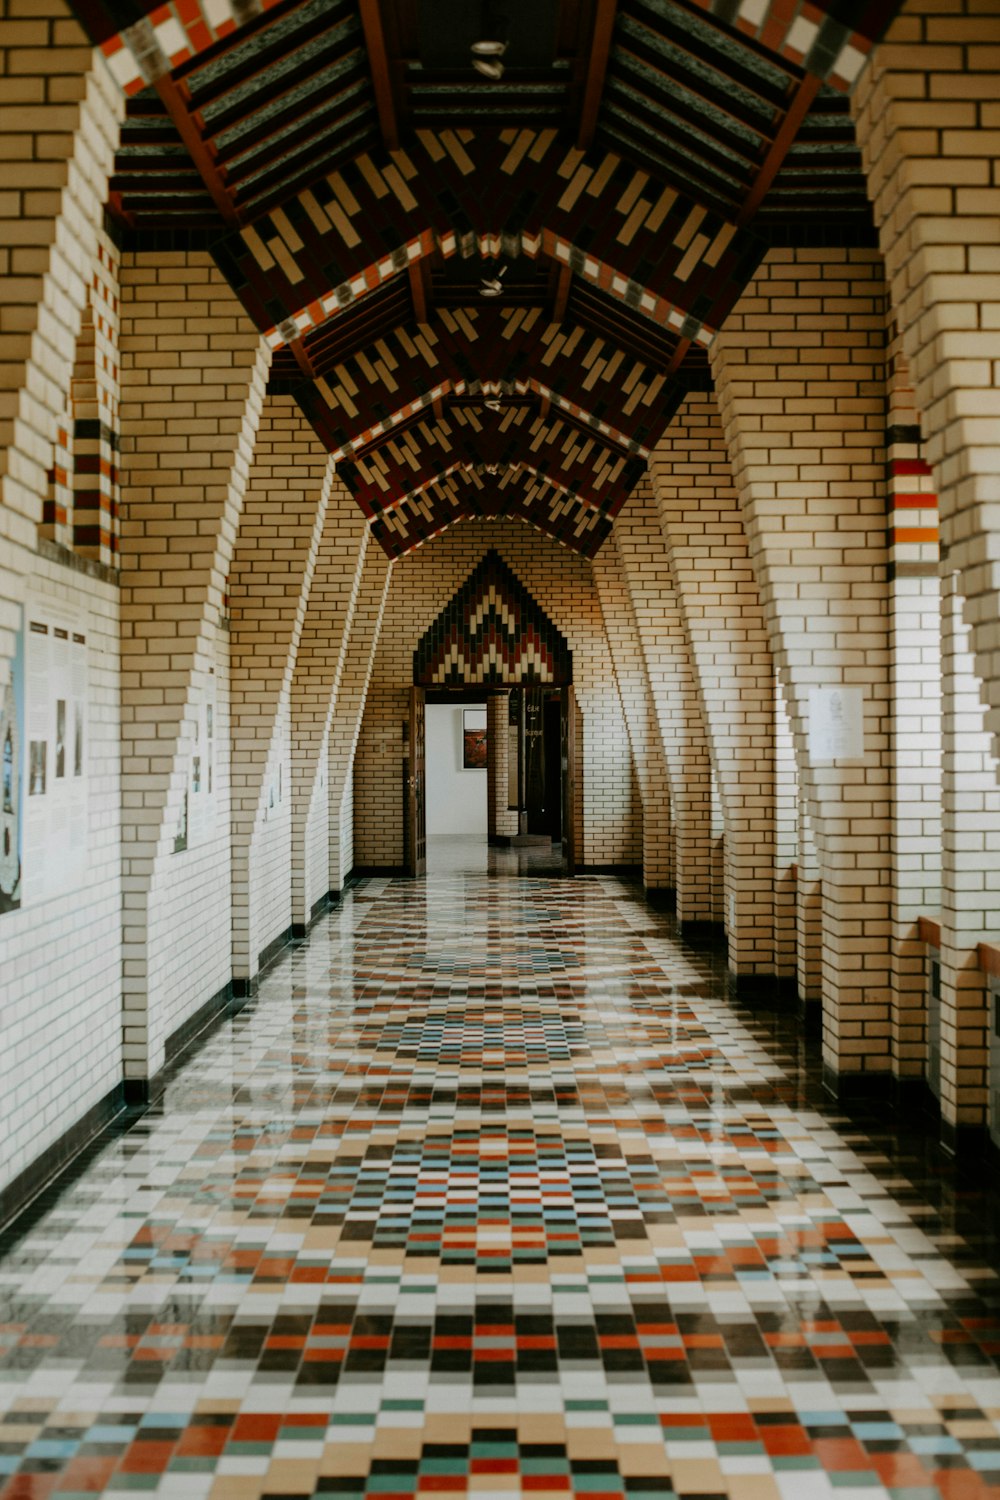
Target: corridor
<point>489,1191</point>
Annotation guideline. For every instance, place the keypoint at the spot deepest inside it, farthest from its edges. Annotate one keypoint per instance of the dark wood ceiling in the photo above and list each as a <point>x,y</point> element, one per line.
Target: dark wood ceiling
<point>358,182</point>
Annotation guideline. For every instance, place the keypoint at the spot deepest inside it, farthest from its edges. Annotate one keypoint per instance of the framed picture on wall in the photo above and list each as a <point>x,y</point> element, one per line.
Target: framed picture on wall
<point>474,739</point>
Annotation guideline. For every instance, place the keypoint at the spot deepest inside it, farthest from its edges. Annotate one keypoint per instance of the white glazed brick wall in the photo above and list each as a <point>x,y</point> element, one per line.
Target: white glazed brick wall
<point>926,114</point>
<point>316,833</point>
<point>60,1019</point>
<point>319,665</point>
<point>561,582</point>
<point>188,928</point>
<point>279,537</point>
<point>800,373</point>
<point>345,728</point>
<point>65,111</point>
<point>193,378</point>
<point>970,857</point>
<point>347,824</point>
<point>269,868</point>
<point>699,512</point>
<point>915,646</point>
<point>786,840</point>
<point>667,655</point>
<point>643,727</point>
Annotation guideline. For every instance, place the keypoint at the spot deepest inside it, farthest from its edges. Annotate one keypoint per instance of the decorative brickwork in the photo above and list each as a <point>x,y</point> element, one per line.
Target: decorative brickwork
<point>192,393</point>
<point>800,373</point>
<point>719,603</point>
<point>492,632</point>
<point>629,663</point>
<point>273,563</point>
<point>926,115</point>
<point>316,683</point>
<point>608,811</point>
<point>667,654</point>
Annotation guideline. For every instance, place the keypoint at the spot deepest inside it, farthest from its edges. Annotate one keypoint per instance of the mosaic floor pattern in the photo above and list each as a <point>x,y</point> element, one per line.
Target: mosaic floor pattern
<point>489,1192</point>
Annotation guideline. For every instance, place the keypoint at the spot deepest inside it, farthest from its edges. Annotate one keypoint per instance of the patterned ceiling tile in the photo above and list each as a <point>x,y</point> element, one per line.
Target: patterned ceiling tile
<point>515,192</point>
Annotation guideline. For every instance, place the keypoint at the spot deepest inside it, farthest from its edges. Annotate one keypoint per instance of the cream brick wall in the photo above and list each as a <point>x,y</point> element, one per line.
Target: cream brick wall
<point>786,842</point>
<point>316,681</point>
<point>645,740</point>
<point>561,582</point>
<point>345,729</point>
<point>667,655</point>
<point>800,372</point>
<point>193,378</point>
<point>281,527</point>
<point>925,111</point>
<point>700,517</point>
<point>60,1019</point>
<point>915,645</point>
<point>60,115</point>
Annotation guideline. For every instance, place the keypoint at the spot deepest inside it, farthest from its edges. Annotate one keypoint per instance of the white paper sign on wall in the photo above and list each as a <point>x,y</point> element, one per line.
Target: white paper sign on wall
<point>55,754</point>
<point>836,724</point>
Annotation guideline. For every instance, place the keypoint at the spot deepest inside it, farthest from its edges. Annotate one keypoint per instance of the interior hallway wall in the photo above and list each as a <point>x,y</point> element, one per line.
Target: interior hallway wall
<point>608,813</point>
<point>456,794</point>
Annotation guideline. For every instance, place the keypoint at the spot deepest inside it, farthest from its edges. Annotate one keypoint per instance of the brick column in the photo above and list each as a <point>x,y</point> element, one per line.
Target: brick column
<point>699,512</point>
<point>362,643</point>
<point>319,665</point>
<point>667,656</point>
<point>915,632</point>
<point>926,114</point>
<point>194,372</point>
<point>925,111</point>
<point>786,841</point>
<point>280,530</point>
<point>61,112</point>
<point>799,369</point>
<point>641,722</point>
<point>970,886</point>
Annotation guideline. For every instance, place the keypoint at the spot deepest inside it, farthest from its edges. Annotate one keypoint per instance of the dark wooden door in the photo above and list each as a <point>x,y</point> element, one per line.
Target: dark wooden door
<point>415,827</point>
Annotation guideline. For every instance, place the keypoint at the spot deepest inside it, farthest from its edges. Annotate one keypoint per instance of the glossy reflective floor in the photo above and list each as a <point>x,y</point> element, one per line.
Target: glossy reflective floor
<point>490,1193</point>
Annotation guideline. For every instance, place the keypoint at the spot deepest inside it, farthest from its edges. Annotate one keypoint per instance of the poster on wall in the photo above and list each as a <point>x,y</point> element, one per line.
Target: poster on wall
<point>200,800</point>
<point>836,724</point>
<point>54,755</point>
<point>11,786</point>
<point>474,739</point>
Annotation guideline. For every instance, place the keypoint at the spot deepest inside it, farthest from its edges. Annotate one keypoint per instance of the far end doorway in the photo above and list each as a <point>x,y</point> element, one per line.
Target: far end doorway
<point>496,764</point>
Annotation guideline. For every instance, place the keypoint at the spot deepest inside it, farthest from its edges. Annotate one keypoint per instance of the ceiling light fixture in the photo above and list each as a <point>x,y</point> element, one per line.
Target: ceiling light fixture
<point>492,43</point>
<point>492,286</point>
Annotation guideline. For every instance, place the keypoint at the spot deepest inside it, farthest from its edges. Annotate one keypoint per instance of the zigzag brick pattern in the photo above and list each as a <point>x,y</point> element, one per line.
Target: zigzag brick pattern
<point>520,191</point>
<point>493,631</point>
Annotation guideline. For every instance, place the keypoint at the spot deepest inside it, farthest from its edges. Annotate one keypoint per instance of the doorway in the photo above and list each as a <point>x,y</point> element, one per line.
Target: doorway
<point>493,759</point>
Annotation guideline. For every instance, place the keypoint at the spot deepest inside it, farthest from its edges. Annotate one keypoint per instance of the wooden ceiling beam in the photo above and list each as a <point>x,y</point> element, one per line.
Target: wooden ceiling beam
<point>675,76</point>
<point>420,289</point>
<point>597,67</point>
<point>305,364</point>
<point>175,101</point>
<point>796,112</point>
<point>378,57</point>
<point>560,300</point>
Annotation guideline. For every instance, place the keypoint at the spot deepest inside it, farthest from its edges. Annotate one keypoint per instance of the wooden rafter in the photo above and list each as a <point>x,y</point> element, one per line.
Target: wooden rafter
<point>560,300</point>
<point>420,289</point>
<point>175,102</point>
<point>796,112</point>
<point>597,67</point>
<point>378,56</point>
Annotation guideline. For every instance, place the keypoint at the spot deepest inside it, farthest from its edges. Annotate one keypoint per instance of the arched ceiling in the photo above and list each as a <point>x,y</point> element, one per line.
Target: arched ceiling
<point>358,181</point>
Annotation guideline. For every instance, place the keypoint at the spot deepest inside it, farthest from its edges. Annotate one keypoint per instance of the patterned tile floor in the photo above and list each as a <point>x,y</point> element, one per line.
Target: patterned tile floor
<point>491,1193</point>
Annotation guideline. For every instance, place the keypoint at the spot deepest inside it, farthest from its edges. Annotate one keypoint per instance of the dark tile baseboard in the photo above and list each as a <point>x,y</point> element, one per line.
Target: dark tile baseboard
<point>33,1191</point>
